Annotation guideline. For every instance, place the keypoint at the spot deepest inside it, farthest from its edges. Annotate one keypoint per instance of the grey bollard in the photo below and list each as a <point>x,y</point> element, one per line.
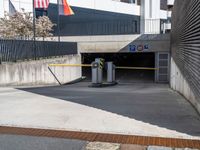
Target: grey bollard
<point>97,73</point>
<point>110,72</point>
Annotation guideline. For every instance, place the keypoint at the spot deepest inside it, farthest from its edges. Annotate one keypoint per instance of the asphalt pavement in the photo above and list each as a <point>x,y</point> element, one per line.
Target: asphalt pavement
<point>152,103</point>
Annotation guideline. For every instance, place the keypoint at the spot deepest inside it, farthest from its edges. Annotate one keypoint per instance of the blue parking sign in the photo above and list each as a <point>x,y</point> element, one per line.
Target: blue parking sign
<point>132,48</point>
<point>146,47</point>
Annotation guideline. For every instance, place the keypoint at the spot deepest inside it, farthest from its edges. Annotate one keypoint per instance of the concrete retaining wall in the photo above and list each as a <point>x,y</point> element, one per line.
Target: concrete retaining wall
<point>180,84</point>
<point>37,73</point>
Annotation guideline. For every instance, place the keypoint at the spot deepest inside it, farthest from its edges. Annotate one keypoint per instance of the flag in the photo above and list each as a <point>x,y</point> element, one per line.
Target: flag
<point>12,9</point>
<point>64,8</point>
<point>41,4</point>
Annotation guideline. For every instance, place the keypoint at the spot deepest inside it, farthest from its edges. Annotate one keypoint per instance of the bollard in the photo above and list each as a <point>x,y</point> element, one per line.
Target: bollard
<point>97,72</point>
<point>95,78</point>
<point>110,72</point>
<point>101,62</point>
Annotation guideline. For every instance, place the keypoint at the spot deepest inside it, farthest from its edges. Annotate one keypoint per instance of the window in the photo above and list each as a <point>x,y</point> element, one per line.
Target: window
<point>139,2</point>
<point>129,1</point>
<point>163,4</point>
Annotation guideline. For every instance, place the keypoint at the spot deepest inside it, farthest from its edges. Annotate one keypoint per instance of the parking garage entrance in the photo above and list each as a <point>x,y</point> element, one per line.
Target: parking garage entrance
<point>124,59</point>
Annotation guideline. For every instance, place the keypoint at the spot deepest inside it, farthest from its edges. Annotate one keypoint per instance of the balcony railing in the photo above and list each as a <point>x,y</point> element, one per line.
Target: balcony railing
<point>155,26</point>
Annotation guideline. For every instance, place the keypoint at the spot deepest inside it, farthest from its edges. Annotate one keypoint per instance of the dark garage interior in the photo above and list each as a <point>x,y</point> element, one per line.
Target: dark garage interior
<point>124,59</point>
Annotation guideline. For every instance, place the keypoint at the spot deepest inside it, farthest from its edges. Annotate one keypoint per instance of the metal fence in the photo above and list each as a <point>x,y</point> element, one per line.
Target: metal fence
<point>19,50</point>
<point>153,26</point>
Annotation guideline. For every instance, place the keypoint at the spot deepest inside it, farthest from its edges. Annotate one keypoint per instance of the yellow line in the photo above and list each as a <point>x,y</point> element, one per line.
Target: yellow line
<point>70,65</point>
<point>89,65</point>
<point>136,68</point>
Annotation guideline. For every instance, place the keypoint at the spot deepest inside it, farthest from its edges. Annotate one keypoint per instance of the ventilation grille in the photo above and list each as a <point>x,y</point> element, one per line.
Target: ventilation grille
<point>186,41</point>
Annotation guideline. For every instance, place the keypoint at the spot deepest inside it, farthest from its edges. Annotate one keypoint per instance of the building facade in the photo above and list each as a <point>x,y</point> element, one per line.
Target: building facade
<point>105,17</point>
<point>127,32</point>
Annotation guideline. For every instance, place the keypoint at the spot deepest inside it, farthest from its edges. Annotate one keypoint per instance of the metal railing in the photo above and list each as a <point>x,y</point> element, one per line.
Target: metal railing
<point>20,50</point>
<point>154,26</point>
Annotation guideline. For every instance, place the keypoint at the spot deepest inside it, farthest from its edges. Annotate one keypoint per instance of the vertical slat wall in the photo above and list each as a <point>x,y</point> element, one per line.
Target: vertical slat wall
<point>94,22</point>
<point>15,50</point>
<point>185,39</point>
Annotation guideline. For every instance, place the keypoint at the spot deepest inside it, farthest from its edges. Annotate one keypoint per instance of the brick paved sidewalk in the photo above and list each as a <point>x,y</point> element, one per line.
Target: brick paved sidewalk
<point>95,139</point>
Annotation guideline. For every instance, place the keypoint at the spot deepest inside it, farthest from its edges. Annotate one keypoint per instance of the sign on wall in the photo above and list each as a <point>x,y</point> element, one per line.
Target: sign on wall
<point>132,48</point>
<point>138,48</point>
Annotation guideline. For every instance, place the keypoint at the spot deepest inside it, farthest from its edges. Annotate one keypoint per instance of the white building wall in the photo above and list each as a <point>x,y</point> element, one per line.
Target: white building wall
<point>150,16</point>
<point>149,10</point>
<point>170,2</point>
<point>155,9</point>
<point>163,14</point>
<point>169,14</point>
<point>105,5</point>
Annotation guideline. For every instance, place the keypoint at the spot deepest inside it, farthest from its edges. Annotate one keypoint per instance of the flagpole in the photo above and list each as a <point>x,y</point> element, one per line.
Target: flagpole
<point>58,23</point>
<point>34,46</point>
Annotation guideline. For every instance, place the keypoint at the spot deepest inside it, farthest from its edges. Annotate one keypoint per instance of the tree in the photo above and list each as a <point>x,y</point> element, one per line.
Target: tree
<point>20,26</point>
<point>44,27</point>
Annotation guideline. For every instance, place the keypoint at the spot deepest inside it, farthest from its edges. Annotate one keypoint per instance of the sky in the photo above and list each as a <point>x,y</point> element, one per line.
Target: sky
<point>1,8</point>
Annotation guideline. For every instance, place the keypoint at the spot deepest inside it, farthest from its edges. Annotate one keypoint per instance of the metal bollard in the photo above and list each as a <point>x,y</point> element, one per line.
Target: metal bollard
<point>101,62</point>
<point>110,72</point>
<point>97,71</point>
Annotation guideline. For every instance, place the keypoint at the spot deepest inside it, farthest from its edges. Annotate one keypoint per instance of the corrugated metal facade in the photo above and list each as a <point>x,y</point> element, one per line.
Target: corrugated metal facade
<point>94,22</point>
<point>185,39</point>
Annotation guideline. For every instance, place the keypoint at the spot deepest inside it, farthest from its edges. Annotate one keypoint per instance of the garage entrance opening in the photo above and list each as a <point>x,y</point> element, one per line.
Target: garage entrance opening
<point>124,59</point>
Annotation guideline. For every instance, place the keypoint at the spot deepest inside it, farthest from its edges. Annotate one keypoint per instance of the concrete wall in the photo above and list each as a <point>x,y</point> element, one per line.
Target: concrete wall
<point>185,50</point>
<point>180,84</point>
<point>37,73</point>
<point>119,43</point>
<point>155,43</point>
<point>100,44</point>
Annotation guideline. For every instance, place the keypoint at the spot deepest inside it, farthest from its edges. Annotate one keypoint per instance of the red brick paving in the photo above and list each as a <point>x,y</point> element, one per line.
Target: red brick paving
<point>113,138</point>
